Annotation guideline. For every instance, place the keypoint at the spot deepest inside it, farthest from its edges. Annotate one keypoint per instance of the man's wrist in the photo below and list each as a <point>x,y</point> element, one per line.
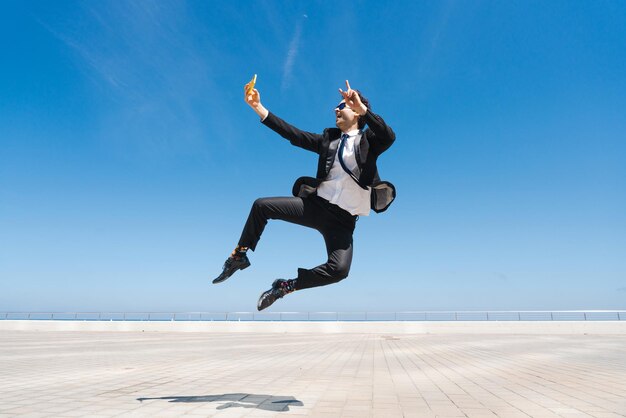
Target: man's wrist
<point>262,112</point>
<point>362,111</point>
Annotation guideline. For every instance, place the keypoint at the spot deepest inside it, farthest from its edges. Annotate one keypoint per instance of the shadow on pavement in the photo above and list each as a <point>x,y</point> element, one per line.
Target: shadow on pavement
<point>238,400</point>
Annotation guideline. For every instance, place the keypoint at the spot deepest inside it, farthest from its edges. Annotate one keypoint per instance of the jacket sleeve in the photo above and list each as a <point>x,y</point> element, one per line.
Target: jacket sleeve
<point>383,134</point>
<point>297,137</point>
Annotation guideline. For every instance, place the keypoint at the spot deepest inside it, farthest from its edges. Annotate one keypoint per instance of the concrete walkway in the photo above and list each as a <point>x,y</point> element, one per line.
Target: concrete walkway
<point>76,374</point>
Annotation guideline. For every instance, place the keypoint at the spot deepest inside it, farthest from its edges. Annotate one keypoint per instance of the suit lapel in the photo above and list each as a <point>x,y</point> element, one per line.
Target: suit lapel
<point>332,152</point>
<point>361,149</point>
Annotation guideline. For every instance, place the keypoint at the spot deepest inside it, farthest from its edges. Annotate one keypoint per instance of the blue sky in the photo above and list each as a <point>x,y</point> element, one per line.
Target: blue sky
<point>129,159</point>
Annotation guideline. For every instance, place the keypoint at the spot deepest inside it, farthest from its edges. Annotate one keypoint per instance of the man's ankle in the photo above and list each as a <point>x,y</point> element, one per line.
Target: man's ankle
<point>239,251</point>
<point>288,286</point>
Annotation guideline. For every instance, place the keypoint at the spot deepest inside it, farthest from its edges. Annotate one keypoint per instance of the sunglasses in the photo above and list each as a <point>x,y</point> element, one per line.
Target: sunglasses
<point>340,106</point>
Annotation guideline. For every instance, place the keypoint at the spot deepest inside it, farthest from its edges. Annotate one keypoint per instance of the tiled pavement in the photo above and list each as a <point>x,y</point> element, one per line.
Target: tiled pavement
<point>76,374</point>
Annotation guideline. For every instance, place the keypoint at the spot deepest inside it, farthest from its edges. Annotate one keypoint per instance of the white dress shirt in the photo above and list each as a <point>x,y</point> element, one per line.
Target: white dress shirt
<point>341,189</point>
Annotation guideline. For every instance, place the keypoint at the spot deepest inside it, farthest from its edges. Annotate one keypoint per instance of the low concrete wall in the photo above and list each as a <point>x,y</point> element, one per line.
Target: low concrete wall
<point>383,327</point>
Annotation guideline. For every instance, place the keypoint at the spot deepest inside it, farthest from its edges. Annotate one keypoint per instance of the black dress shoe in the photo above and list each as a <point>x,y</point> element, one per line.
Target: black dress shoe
<point>232,264</point>
<point>268,297</point>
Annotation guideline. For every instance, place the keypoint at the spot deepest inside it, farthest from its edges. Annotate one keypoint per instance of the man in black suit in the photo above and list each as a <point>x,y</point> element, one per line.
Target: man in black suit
<point>346,186</point>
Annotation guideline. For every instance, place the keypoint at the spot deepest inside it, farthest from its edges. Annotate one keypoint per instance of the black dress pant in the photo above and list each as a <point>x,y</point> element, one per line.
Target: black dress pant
<point>335,224</point>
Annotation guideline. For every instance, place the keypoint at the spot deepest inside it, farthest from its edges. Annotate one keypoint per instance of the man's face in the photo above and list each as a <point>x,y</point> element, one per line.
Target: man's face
<point>345,118</point>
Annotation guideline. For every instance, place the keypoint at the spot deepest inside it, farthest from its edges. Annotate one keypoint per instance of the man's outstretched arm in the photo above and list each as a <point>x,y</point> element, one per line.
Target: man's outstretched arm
<point>297,137</point>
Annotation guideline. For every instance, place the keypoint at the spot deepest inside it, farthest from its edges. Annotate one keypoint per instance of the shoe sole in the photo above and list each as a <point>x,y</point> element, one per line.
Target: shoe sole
<point>218,280</point>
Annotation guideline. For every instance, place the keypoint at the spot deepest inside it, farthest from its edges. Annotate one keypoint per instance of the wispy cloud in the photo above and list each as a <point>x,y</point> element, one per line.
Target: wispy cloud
<point>292,53</point>
<point>433,36</point>
<point>146,59</point>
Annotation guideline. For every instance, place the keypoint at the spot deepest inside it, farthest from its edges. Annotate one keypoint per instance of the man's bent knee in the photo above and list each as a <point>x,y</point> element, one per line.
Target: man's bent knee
<point>338,272</point>
<point>261,202</point>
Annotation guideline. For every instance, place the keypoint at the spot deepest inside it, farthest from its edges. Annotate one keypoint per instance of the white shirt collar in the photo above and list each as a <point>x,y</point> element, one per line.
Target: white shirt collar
<point>352,133</point>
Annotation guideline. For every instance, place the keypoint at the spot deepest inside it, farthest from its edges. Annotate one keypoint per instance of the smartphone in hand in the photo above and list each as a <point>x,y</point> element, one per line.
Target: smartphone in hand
<point>250,86</point>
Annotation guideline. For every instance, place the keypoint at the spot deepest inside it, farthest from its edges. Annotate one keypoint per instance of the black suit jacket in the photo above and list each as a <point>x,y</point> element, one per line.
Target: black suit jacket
<point>375,140</point>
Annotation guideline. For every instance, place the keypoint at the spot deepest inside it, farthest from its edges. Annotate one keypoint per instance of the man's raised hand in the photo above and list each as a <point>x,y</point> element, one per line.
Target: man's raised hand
<point>253,98</point>
<point>353,100</point>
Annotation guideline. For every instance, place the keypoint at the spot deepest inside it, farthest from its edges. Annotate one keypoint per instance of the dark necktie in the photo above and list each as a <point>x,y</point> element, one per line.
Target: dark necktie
<point>342,145</point>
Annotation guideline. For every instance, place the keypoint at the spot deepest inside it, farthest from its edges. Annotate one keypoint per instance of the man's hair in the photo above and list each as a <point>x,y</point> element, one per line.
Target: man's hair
<point>366,102</point>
